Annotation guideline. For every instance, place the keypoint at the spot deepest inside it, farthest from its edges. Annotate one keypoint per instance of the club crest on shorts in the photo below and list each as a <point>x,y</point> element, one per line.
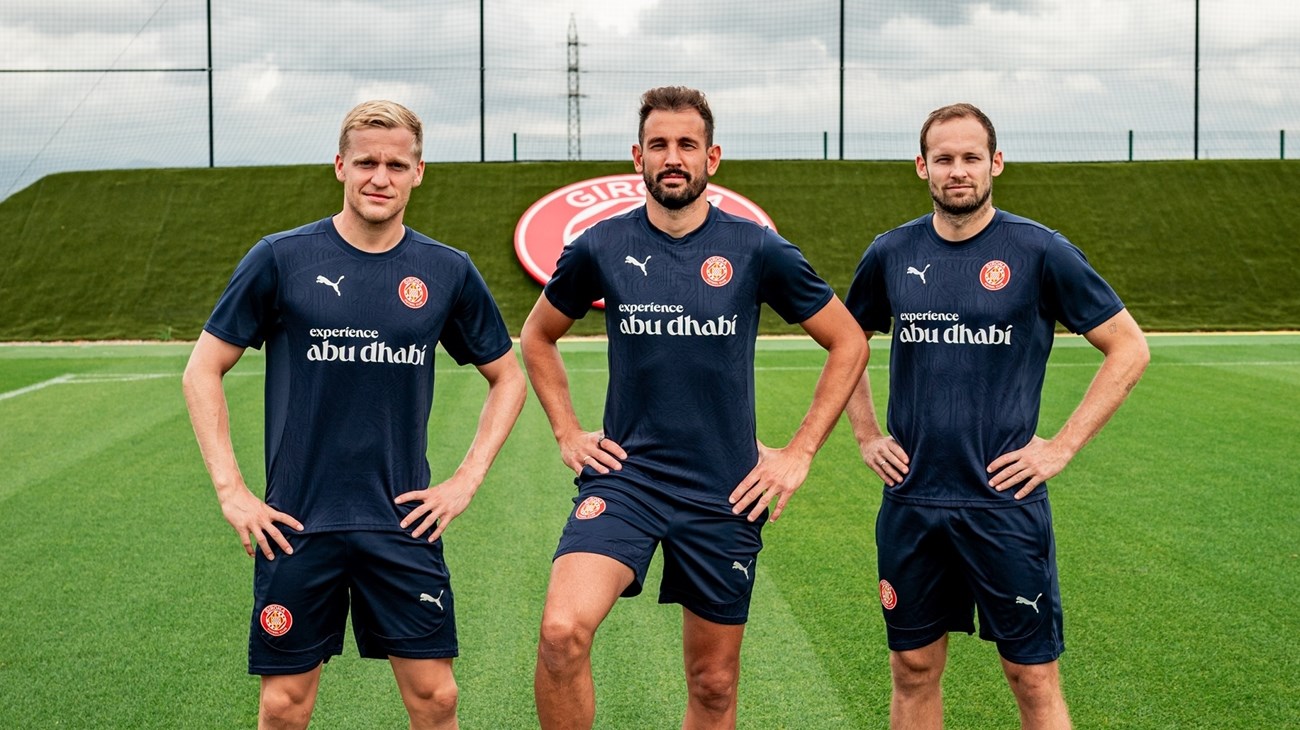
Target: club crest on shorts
<point>888,598</point>
<point>413,292</point>
<point>995,275</point>
<point>276,620</point>
<point>590,507</point>
<point>716,271</point>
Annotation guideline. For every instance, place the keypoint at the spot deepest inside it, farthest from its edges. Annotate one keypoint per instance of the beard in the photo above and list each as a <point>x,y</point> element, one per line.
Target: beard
<point>681,197</point>
<point>961,209</point>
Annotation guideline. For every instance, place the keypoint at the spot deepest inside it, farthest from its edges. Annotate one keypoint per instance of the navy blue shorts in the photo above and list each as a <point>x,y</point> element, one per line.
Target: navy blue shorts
<point>397,586</point>
<point>938,564</point>
<point>710,555</point>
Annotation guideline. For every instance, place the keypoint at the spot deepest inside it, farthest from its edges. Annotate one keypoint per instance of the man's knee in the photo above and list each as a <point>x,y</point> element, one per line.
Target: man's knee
<point>563,644</point>
<point>713,686</point>
<point>433,700</point>
<point>286,705</point>
<point>916,670</point>
<point>1034,684</point>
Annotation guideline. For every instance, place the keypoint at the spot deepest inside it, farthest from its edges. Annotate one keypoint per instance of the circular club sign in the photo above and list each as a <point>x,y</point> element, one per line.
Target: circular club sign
<point>560,216</point>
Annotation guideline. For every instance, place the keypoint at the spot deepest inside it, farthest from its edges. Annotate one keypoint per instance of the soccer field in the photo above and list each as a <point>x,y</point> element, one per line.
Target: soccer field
<point>126,597</point>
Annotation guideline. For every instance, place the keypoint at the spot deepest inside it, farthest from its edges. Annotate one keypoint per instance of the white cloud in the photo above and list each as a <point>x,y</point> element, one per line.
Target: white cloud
<point>260,82</point>
<point>286,72</point>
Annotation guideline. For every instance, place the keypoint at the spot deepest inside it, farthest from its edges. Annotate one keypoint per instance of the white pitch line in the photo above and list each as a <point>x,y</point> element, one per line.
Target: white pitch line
<point>119,377</point>
<point>1232,363</point>
<point>1050,365</point>
<point>75,379</point>
<point>37,386</point>
<point>81,379</point>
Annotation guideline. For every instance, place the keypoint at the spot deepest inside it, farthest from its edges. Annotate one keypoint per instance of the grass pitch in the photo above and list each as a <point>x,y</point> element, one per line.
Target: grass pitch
<point>127,597</point>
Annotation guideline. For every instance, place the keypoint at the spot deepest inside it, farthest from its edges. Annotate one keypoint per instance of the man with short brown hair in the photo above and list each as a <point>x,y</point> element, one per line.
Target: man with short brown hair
<point>676,464</point>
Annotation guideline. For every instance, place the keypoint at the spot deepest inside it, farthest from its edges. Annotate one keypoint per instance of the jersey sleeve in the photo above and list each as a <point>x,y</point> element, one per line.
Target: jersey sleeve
<point>576,282</point>
<point>248,308</point>
<point>868,298</point>
<point>475,331</point>
<point>1074,294</point>
<point>788,283</point>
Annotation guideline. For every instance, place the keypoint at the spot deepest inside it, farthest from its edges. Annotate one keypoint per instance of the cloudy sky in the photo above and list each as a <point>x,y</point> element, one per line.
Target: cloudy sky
<point>93,84</point>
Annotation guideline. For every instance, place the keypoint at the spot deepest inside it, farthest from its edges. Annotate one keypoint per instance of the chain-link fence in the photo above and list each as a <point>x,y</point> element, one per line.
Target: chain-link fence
<point>175,83</point>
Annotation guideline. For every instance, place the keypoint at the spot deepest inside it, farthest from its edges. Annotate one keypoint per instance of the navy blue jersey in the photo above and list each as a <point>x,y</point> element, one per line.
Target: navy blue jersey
<point>682,318</point>
<point>973,327</point>
<point>350,339</point>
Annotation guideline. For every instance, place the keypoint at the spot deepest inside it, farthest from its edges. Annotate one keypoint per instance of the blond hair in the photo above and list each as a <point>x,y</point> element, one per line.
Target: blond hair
<point>384,115</point>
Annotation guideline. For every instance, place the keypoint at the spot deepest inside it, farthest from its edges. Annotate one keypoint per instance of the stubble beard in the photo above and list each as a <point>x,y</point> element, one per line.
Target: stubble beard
<point>961,210</point>
<point>681,198</point>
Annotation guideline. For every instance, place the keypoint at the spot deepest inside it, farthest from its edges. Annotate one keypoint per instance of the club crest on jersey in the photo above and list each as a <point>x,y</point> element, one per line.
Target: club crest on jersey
<point>716,271</point>
<point>413,292</point>
<point>276,620</point>
<point>888,598</point>
<point>590,507</point>
<point>995,275</point>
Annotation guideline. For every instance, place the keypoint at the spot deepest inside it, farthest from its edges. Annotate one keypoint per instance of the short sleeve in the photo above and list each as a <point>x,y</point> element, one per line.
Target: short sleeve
<point>475,331</point>
<point>575,283</point>
<point>1074,294</point>
<point>868,297</point>
<point>788,283</point>
<point>248,309</point>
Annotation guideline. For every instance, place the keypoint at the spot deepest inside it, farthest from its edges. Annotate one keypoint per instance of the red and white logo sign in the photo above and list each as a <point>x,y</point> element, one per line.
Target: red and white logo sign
<point>276,620</point>
<point>995,275</point>
<point>716,271</point>
<point>888,598</point>
<point>413,292</point>
<point>560,216</point>
<point>590,507</point>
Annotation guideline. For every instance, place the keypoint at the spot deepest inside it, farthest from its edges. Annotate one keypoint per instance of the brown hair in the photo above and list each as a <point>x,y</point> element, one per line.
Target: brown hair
<point>676,99</point>
<point>959,111</point>
<point>385,115</point>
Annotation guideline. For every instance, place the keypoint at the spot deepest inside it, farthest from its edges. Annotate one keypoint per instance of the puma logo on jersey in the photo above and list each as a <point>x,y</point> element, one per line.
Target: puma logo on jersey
<point>331,284</point>
<point>435,601</point>
<point>743,568</point>
<point>639,264</point>
<point>1027,602</point>
<point>921,273</point>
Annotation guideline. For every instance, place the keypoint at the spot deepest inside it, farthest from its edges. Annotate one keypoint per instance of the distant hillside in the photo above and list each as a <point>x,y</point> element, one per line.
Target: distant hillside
<point>143,254</point>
